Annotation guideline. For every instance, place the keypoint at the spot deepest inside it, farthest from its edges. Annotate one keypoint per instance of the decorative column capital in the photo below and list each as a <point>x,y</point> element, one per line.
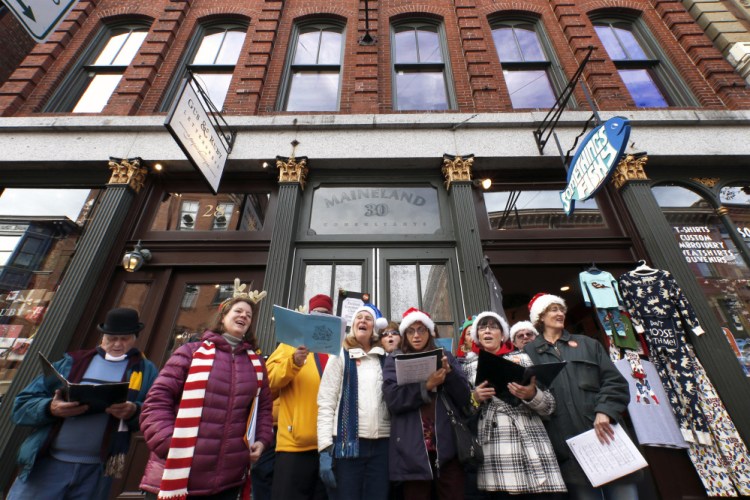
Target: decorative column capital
<point>127,171</point>
<point>292,170</point>
<point>709,182</point>
<point>629,169</point>
<point>457,169</point>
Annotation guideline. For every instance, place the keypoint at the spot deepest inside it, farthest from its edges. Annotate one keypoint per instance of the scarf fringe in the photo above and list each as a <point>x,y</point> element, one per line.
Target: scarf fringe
<point>115,465</point>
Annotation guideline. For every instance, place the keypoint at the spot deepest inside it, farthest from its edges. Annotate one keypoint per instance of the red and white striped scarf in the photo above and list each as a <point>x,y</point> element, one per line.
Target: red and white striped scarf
<point>174,480</point>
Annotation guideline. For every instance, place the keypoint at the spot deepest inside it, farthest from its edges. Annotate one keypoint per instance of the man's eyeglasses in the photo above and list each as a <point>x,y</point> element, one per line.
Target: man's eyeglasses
<point>388,333</point>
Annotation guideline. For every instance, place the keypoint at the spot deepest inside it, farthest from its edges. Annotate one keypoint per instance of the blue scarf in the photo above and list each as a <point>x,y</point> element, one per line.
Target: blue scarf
<point>346,442</point>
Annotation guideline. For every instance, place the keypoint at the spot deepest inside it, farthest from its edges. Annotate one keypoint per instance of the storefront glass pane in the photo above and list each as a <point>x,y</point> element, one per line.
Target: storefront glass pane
<point>424,286</point>
<point>375,210</point>
<point>39,229</point>
<point>714,259</point>
<point>203,212</point>
<point>539,209</point>
<point>318,280</point>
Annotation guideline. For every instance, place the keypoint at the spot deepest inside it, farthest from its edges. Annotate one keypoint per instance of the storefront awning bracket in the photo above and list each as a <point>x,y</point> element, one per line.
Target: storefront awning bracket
<point>547,127</point>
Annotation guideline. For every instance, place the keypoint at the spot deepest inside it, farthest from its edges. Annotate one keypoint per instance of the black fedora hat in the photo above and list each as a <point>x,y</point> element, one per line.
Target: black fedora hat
<point>121,321</point>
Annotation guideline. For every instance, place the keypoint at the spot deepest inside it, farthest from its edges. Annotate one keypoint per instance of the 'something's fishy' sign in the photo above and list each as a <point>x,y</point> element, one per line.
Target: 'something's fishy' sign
<point>191,127</point>
<point>594,161</point>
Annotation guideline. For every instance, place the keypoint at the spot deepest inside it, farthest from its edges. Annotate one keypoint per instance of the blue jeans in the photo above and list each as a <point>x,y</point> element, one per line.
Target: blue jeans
<point>364,477</point>
<point>53,479</point>
<point>612,491</point>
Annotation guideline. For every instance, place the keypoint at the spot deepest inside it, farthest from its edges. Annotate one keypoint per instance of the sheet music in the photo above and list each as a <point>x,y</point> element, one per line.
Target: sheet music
<point>411,368</point>
<point>604,463</point>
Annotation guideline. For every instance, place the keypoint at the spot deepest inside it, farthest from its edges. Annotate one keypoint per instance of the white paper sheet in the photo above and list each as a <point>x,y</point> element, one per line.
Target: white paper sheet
<point>411,368</point>
<point>604,463</point>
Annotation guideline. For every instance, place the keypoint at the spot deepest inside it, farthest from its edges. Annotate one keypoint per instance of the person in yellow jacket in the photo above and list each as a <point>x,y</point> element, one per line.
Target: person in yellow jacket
<point>294,374</point>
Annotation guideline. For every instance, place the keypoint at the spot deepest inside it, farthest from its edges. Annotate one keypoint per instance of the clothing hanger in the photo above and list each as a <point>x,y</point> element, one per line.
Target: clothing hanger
<point>593,268</point>
<point>643,268</point>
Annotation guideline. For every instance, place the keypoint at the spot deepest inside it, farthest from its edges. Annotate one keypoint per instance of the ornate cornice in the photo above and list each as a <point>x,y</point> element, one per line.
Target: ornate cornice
<point>629,169</point>
<point>457,169</point>
<point>127,171</point>
<point>706,181</point>
<point>292,170</point>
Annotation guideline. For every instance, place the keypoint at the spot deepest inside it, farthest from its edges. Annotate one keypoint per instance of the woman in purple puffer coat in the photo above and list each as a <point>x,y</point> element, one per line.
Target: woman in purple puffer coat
<point>217,467</point>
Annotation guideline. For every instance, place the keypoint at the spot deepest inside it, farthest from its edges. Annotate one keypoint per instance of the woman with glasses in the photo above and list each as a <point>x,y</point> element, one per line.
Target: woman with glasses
<point>518,456</point>
<point>390,337</point>
<point>590,391</point>
<point>422,448</point>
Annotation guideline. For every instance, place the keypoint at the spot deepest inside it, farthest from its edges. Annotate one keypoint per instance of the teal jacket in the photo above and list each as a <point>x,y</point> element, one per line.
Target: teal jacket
<point>31,406</point>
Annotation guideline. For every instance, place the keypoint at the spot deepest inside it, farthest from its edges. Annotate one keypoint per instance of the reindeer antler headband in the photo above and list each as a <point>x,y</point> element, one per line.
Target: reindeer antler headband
<point>253,296</point>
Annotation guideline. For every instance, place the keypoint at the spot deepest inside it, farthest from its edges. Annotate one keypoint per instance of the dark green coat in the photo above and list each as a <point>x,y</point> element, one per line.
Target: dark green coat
<point>589,384</point>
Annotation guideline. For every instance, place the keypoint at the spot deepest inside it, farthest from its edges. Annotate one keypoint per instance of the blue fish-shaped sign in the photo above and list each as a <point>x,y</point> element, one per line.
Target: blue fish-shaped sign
<point>594,161</point>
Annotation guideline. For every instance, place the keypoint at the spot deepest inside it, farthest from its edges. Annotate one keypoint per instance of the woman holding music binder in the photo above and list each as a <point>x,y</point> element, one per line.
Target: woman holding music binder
<point>422,446</point>
<point>590,393</point>
<point>196,416</point>
<point>353,421</point>
<point>518,455</point>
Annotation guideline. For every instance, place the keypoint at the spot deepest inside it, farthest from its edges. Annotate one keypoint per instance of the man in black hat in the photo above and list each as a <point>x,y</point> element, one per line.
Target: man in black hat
<point>74,453</point>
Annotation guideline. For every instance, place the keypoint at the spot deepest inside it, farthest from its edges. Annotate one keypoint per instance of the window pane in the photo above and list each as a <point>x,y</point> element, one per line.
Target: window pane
<point>330,48</point>
<point>529,89</point>
<point>406,46</point>
<point>539,210</point>
<point>97,94</point>
<point>421,91</point>
<point>216,86</point>
<point>209,48</point>
<point>307,48</point>
<point>505,44</point>
<point>111,50</point>
<point>230,50</point>
<point>317,280</point>
<point>134,296</point>
<point>348,277</point>
<point>642,88</point>
<point>429,46</point>
<point>611,44</point>
<point>434,281</point>
<point>403,289</point>
<point>130,49</point>
<point>314,91</point>
<point>630,44</point>
<point>529,42</point>
<point>206,212</point>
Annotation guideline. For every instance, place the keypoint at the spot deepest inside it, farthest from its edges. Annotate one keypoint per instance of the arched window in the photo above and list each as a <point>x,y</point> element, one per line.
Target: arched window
<point>211,55</point>
<point>312,79</point>
<point>527,68</point>
<point>644,69</point>
<point>420,74</point>
<point>92,81</point>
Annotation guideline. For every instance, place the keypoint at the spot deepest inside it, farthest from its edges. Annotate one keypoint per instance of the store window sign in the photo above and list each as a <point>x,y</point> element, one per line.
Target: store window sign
<point>382,209</point>
<point>594,161</point>
<point>703,245</point>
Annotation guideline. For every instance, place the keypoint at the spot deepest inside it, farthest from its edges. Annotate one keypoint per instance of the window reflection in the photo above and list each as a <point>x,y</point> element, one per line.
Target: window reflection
<point>39,230</point>
<point>421,285</point>
<point>202,212</point>
<point>315,69</point>
<point>539,209</point>
<point>329,278</point>
<point>215,59</point>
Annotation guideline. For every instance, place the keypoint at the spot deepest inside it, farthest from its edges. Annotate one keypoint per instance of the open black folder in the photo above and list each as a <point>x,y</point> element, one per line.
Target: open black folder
<point>97,396</point>
<point>499,372</point>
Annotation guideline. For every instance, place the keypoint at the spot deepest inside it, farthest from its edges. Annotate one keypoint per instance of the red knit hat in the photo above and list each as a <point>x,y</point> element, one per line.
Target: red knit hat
<point>320,300</point>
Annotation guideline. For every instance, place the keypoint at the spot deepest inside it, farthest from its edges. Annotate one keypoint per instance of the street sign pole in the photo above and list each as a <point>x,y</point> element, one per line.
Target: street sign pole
<point>40,17</point>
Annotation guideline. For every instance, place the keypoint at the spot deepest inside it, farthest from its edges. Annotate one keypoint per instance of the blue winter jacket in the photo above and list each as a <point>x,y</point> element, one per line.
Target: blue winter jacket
<point>31,408</point>
<point>408,459</point>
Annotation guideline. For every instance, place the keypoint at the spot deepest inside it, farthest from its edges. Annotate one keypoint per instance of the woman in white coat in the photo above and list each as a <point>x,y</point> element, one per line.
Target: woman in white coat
<point>353,420</point>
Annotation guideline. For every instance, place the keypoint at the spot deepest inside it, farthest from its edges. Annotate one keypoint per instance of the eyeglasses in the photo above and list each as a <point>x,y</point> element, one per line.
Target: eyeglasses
<point>525,335</point>
<point>491,326</point>
<point>389,333</point>
<point>420,330</point>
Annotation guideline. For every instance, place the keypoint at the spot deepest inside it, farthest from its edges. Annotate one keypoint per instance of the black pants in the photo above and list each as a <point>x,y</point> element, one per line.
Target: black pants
<point>295,477</point>
<point>230,494</point>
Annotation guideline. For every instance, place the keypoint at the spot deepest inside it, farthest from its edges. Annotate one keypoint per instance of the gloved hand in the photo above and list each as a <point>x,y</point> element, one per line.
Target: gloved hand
<point>326,468</point>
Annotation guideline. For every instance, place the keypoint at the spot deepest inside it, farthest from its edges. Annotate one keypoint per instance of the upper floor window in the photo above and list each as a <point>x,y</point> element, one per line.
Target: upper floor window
<point>95,77</point>
<point>420,79</point>
<point>526,66</point>
<point>211,56</point>
<point>313,75</point>
<point>644,70</point>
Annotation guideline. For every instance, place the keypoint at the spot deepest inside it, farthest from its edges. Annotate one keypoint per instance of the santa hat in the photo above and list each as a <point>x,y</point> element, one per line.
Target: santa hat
<point>540,302</point>
<point>372,310</point>
<point>522,325</point>
<point>413,315</point>
<point>465,330</point>
<point>489,314</point>
<point>320,300</point>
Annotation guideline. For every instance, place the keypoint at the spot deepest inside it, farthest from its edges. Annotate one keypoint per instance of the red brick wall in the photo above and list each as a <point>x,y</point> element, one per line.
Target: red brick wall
<point>16,44</point>
<point>366,77</point>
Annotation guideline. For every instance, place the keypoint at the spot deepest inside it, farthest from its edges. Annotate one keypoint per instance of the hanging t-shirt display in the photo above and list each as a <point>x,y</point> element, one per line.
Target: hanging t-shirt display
<point>659,308</point>
<point>600,289</point>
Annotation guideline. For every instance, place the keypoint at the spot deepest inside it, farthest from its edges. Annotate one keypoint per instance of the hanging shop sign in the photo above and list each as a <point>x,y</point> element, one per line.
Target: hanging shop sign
<point>39,17</point>
<point>194,128</point>
<point>594,161</point>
